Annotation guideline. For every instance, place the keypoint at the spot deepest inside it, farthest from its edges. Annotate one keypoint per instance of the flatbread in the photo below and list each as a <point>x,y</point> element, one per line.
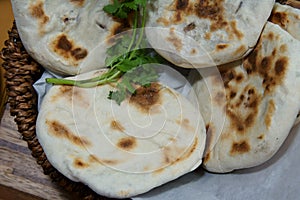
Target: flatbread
<point>287,18</point>
<point>261,102</point>
<point>293,3</point>
<point>61,34</point>
<point>120,151</point>
<point>192,33</point>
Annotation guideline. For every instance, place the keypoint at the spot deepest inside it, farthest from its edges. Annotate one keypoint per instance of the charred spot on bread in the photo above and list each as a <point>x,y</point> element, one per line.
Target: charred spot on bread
<point>182,4</point>
<point>232,94</point>
<point>188,151</point>
<point>145,98</point>
<point>235,30</point>
<point>271,68</point>
<point>280,66</point>
<point>261,137</point>
<point>279,18</point>
<point>115,125</point>
<point>67,49</point>
<point>193,51</point>
<point>174,154</point>
<point>79,163</point>
<point>127,143</point>
<point>239,78</point>
<point>269,113</point>
<point>94,159</point>
<point>37,11</point>
<point>120,26</point>
<point>206,157</point>
<point>212,10</point>
<point>78,2</point>
<point>189,27</point>
<point>60,130</point>
<point>175,40</point>
<point>240,147</point>
<point>222,46</point>
<point>242,109</point>
<point>79,53</point>
<point>64,44</point>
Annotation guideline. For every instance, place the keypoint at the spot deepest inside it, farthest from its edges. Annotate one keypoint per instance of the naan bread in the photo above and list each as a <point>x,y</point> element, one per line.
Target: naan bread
<point>196,34</point>
<point>61,34</point>
<point>260,101</point>
<point>287,18</point>
<point>120,151</point>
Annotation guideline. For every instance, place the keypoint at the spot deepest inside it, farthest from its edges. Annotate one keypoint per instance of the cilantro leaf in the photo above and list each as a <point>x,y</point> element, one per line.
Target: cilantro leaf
<point>122,9</point>
<point>131,5</point>
<point>118,96</point>
<point>112,8</point>
<point>143,3</point>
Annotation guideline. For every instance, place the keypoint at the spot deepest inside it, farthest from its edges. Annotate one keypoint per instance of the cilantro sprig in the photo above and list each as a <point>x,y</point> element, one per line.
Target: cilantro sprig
<point>121,9</point>
<point>126,59</point>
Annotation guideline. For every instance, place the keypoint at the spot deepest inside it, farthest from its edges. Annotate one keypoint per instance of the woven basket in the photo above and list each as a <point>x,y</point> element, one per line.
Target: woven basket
<point>3,93</point>
<point>21,71</point>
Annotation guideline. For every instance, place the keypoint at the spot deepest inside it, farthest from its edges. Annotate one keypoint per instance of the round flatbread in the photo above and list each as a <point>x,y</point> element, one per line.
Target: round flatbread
<point>121,150</point>
<point>61,34</point>
<point>261,102</point>
<point>188,33</point>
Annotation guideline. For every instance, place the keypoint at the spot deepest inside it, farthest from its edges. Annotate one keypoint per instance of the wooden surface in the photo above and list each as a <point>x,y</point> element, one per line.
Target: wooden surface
<point>20,176</point>
<point>6,19</point>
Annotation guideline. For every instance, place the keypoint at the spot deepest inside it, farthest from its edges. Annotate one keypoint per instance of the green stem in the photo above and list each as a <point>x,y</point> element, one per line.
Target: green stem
<point>141,35</point>
<point>60,81</point>
<point>134,31</point>
<point>110,72</point>
<point>84,83</point>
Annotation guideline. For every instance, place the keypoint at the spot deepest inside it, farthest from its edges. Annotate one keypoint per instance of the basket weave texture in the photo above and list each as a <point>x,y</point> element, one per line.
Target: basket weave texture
<point>21,71</point>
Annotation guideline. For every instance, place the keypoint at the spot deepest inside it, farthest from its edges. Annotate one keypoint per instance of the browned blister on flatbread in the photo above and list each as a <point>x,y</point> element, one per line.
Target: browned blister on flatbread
<point>287,18</point>
<point>63,47</point>
<point>59,130</point>
<point>36,11</point>
<point>203,33</point>
<point>262,102</point>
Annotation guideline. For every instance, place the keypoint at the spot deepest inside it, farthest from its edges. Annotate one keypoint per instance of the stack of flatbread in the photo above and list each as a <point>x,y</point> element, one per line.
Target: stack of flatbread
<point>243,103</point>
